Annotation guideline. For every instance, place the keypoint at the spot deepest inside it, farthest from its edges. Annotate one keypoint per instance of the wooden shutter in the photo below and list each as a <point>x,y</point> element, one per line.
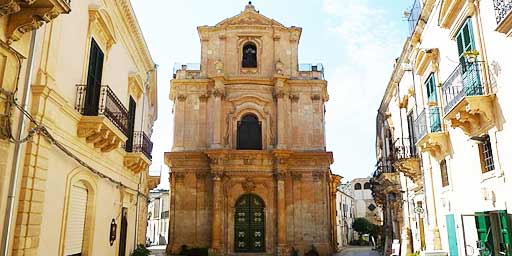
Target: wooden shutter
<point>465,39</point>
<point>75,225</point>
<point>431,88</point>
<point>452,235</point>
<point>506,236</point>
<point>483,228</point>
<point>94,76</point>
<point>131,125</point>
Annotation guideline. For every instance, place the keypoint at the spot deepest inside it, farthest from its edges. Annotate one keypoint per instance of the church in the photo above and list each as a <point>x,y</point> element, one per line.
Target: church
<point>249,170</point>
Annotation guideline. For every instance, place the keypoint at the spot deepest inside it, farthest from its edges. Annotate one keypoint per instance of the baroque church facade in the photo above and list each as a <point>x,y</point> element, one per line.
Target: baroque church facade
<point>249,170</point>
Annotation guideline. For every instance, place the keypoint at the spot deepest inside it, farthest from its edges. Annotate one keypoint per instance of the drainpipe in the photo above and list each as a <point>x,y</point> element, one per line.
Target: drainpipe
<point>16,165</point>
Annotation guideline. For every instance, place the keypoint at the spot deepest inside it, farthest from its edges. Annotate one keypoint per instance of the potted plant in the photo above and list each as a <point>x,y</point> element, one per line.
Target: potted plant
<point>141,250</point>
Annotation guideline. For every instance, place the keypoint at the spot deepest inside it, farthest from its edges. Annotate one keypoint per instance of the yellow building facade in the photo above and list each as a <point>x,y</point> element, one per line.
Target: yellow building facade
<point>249,171</point>
<point>73,163</point>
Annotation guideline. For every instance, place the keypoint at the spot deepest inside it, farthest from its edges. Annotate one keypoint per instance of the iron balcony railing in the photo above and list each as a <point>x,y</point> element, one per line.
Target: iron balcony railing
<point>384,165</point>
<point>142,144</point>
<point>421,128</point>
<point>465,80</point>
<point>311,71</point>
<point>414,16</point>
<point>404,148</point>
<point>502,9</point>
<point>108,105</point>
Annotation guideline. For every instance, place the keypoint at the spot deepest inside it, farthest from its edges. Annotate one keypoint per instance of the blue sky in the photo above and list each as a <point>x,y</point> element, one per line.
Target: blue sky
<point>356,40</point>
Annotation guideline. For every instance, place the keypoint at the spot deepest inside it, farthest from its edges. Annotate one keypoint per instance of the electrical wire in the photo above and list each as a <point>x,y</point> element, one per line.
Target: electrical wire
<point>40,129</point>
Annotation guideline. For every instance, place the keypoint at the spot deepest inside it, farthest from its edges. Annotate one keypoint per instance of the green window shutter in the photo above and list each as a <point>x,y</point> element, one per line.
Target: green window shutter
<point>506,236</point>
<point>483,228</point>
<point>431,88</point>
<point>465,39</point>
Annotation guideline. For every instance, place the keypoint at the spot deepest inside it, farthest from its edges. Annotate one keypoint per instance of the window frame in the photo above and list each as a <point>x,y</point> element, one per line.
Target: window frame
<point>486,155</point>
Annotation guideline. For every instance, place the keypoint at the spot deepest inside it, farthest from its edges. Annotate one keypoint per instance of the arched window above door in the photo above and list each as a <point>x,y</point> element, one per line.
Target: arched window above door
<point>249,55</point>
<point>249,133</point>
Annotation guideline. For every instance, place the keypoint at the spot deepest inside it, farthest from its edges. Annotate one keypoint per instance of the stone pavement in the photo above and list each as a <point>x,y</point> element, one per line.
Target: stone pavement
<point>358,251</point>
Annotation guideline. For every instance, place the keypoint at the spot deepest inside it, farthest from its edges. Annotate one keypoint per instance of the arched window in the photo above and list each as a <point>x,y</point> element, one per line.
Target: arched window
<point>76,220</point>
<point>249,133</point>
<point>366,185</point>
<point>250,224</point>
<point>357,186</point>
<point>250,59</point>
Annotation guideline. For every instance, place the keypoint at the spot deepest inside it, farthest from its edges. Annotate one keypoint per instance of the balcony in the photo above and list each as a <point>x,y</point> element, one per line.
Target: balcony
<point>187,71</point>
<point>153,182</point>
<point>26,15</point>
<point>310,72</point>
<point>414,16</point>
<point>105,125</point>
<point>385,179</point>
<point>430,137</point>
<point>468,103</point>
<point>406,159</point>
<point>138,156</point>
<point>503,9</point>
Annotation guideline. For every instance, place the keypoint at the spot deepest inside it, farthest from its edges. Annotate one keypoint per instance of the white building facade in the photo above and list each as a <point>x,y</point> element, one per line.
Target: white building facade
<point>158,217</point>
<point>345,208</point>
<point>443,139</point>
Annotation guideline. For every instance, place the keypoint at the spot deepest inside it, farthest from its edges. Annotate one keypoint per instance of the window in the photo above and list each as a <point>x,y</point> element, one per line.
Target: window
<point>249,133</point>
<point>431,88</point>
<point>250,59</point>
<point>76,222</point>
<point>94,76</point>
<point>366,185</point>
<point>357,186</point>
<point>465,39</point>
<point>444,173</point>
<point>485,150</point>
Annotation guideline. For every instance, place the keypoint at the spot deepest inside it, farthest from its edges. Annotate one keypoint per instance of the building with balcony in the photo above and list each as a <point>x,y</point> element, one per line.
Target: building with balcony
<point>249,170</point>
<point>158,217</point>
<point>78,102</point>
<point>442,132</point>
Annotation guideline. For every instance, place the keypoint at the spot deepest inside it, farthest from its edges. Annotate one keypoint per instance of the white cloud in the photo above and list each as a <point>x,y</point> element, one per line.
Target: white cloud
<point>370,45</point>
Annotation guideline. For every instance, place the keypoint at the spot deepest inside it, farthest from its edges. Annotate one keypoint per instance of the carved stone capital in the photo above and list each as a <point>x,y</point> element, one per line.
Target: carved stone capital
<point>8,6</point>
<point>181,97</point>
<point>294,97</point>
<point>296,176</point>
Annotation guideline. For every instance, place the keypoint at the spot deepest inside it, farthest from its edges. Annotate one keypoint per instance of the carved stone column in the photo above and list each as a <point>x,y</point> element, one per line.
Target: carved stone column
<point>217,169</point>
<point>281,166</point>
<point>335,182</point>
<point>179,119</point>
<point>218,94</point>
<point>217,208</point>
<point>281,91</point>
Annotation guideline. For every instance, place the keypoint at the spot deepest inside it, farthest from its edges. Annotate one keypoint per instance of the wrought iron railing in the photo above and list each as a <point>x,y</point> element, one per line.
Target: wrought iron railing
<point>384,165</point>
<point>503,9</point>
<point>414,16</point>
<point>142,143</point>
<point>421,128</point>
<point>465,80</point>
<point>108,105</point>
<point>404,148</point>
<point>310,71</point>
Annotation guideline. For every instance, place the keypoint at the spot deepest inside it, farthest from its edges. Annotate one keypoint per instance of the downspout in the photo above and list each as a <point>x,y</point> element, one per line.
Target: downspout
<point>15,168</point>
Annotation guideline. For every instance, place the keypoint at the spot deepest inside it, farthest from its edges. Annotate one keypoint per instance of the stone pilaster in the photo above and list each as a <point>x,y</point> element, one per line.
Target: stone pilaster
<point>218,95</point>
<point>281,92</point>
<point>281,167</point>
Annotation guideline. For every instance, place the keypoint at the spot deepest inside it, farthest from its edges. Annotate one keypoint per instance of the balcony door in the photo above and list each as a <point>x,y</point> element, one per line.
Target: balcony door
<point>94,75</point>
<point>470,70</point>
<point>131,124</point>
<point>249,133</point>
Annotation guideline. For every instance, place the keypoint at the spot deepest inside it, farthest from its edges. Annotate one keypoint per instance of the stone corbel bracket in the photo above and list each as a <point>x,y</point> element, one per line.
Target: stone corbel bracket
<point>100,132</point>
<point>425,58</point>
<point>136,162</point>
<point>474,115</point>
<point>410,167</point>
<point>437,144</point>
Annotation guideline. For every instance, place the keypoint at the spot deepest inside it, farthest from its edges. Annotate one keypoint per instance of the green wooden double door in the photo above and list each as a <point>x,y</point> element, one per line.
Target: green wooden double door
<point>250,224</point>
<point>494,235</point>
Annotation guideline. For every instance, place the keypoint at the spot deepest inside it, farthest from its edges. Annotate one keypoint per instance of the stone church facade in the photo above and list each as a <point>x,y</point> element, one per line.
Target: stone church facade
<point>249,171</point>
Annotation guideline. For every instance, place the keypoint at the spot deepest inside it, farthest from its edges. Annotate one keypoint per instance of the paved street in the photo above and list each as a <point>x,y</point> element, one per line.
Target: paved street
<point>358,251</point>
<point>157,250</point>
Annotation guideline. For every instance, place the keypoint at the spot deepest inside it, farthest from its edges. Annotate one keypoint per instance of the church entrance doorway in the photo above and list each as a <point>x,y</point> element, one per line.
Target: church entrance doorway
<point>250,224</point>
